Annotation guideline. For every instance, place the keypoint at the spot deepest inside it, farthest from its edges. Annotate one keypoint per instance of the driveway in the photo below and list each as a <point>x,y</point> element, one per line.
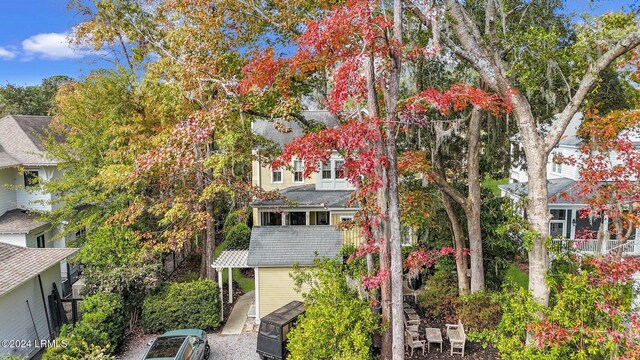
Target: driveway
<point>223,347</point>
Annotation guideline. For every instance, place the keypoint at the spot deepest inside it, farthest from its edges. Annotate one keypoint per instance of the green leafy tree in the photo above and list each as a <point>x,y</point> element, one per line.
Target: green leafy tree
<point>30,100</point>
<point>337,324</point>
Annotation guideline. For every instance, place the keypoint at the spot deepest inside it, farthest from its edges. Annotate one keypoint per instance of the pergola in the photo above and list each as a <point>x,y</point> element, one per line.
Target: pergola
<point>229,259</point>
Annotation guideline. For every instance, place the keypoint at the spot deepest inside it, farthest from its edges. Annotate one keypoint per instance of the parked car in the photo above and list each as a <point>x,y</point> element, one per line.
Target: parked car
<point>186,344</point>
<point>274,327</point>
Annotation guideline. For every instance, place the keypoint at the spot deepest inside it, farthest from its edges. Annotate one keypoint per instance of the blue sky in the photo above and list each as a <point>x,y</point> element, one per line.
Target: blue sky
<point>33,33</point>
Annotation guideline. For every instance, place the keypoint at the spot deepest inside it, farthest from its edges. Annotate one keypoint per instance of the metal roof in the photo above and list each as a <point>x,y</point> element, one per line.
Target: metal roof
<point>307,195</point>
<point>231,259</point>
<point>20,264</point>
<point>288,245</point>
<point>266,129</point>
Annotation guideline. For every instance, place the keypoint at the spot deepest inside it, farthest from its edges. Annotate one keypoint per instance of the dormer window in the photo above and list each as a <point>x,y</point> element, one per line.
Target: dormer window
<point>31,178</point>
<point>298,175</point>
<point>339,170</point>
<point>276,176</point>
<point>326,171</point>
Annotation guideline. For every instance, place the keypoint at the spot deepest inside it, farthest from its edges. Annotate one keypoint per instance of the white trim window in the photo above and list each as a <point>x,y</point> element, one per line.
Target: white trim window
<point>556,167</point>
<point>298,171</point>
<point>339,170</point>
<point>326,171</point>
<point>276,176</point>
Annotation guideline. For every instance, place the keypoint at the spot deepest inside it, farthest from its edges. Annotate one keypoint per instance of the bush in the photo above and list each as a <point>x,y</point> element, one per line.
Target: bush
<point>193,304</point>
<point>481,311</point>
<point>240,216</point>
<point>337,324</point>
<point>440,297</point>
<point>104,312</point>
<point>238,237</point>
<point>100,331</point>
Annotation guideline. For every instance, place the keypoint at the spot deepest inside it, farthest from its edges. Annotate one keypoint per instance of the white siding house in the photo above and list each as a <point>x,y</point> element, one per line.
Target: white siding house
<point>27,278</point>
<point>564,204</point>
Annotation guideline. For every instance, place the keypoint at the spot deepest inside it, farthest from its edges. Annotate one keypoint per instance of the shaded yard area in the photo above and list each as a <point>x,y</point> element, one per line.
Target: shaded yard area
<point>245,282</point>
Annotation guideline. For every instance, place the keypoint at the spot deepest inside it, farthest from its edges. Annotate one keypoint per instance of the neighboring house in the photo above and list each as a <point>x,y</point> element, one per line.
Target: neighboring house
<point>24,165</point>
<point>564,206</point>
<point>27,278</point>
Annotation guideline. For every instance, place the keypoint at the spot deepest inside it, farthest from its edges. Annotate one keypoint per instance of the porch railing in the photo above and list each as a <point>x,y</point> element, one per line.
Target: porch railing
<point>630,248</point>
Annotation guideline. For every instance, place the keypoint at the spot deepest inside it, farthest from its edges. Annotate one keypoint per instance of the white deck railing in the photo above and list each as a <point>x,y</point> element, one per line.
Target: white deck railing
<point>630,248</point>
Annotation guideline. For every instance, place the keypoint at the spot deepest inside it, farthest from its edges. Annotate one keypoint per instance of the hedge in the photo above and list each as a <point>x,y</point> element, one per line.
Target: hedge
<point>193,304</point>
<point>238,237</point>
<point>101,330</point>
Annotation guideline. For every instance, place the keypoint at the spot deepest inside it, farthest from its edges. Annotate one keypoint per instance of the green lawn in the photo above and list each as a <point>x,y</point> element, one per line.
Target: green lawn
<point>492,184</point>
<point>518,276</point>
<point>246,284</point>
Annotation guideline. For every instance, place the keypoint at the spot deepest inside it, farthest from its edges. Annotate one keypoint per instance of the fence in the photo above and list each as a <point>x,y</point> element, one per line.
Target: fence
<point>630,248</point>
<point>172,260</point>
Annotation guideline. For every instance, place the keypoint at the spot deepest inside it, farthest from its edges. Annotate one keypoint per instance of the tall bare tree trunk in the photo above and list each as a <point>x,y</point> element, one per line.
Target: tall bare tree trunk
<point>458,243</point>
<point>397,327</point>
<point>380,230</point>
<point>472,208</point>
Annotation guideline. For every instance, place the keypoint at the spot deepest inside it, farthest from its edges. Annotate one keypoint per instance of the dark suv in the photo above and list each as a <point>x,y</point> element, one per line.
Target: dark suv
<point>187,344</point>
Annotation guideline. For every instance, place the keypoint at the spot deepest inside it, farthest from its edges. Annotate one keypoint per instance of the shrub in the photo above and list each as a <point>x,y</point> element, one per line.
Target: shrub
<point>337,324</point>
<point>587,317</point>
<point>440,297</point>
<point>104,312</point>
<point>12,357</point>
<point>234,218</point>
<point>481,311</point>
<point>238,237</point>
<point>193,304</point>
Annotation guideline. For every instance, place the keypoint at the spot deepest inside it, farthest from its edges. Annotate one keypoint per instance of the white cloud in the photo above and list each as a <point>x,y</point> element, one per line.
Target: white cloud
<point>52,46</point>
<point>7,54</point>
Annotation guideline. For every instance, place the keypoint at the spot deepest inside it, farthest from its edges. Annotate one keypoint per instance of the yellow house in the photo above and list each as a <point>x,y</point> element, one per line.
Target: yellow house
<point>302,225</point>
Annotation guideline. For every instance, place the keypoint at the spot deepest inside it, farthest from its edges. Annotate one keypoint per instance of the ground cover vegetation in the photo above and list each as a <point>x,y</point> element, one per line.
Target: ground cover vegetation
<point>158,152</point>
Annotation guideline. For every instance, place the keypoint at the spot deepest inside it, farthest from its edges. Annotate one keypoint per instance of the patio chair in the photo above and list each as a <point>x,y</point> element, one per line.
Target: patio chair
<point>457,337</point>
<point>411,341</point>
<point>414,328</point>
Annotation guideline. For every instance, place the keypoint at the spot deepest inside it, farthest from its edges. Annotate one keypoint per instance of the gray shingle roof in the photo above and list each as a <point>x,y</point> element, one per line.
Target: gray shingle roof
<point>20,264</point>
<point>288,245</point>
<point>556,189</point>
<point>20,142</point>
<point>307,195</point>
<point>265,128</point>
<point>19,221</point>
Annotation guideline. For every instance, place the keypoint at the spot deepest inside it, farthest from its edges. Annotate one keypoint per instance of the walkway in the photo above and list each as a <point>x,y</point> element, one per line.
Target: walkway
<point>238,317</point>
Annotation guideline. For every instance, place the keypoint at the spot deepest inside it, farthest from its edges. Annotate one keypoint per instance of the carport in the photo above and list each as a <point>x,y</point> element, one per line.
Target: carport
<point>229,259</point>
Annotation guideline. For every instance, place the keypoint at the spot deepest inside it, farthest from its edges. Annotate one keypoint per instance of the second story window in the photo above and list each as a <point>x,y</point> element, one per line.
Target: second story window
<point>276,176</point>
<point>556,165</point>
<point>298,171</point>
<point>326,171</point>
<point>339,169</point>
<point>297,218</point>
<point>31,178</point>
<point>271,219</point>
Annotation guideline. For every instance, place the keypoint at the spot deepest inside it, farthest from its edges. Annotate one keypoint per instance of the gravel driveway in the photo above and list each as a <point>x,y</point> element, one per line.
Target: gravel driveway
<point>223,347</point>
